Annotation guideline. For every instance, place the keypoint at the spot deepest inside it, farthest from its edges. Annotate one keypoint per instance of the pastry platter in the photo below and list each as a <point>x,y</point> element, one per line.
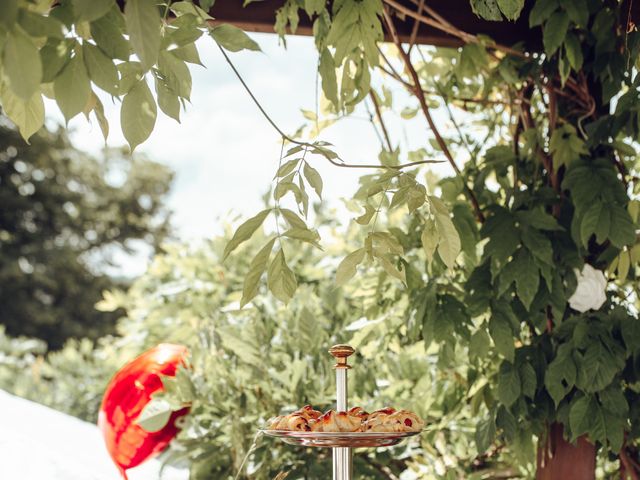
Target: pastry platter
<point>340,439</point>
<point>343,430</point>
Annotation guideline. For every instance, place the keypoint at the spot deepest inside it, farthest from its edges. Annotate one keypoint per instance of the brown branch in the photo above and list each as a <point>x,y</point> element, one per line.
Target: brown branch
<point>416,27</point>
<point>417,91</point>
<point>450,29</point>
<point>311,145</point>
<point>626,465</point>
<point>376,106</point>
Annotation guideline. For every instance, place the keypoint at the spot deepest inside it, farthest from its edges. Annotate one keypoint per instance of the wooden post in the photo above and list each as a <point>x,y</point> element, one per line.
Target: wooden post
<point>559,459</point>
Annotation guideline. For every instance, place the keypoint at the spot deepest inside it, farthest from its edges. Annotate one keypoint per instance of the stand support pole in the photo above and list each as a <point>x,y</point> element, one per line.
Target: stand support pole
<point>342,457</point>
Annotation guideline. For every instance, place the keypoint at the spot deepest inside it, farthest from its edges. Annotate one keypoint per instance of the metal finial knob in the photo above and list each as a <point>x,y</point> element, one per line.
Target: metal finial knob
<point>341,353</point>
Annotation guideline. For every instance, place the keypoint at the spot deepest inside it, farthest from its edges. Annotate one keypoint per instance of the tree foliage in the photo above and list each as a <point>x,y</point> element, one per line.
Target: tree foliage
<point>64,215</point>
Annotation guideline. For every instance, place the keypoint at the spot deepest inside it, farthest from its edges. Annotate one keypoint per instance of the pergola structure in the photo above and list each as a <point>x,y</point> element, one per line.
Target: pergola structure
<point>259,16</point>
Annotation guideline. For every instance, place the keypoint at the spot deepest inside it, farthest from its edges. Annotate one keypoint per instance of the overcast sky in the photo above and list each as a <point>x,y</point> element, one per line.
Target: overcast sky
<point>224,153</point>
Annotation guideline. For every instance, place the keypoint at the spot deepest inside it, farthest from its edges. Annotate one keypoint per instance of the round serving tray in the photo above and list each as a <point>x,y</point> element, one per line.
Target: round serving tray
<point>340,439</point>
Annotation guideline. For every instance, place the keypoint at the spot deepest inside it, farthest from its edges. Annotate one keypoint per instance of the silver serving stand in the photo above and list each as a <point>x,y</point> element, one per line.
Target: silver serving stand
<point>342,443</point>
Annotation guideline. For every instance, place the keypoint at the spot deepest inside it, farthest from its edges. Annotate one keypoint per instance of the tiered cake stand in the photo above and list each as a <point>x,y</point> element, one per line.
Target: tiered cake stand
<point>342,443</point>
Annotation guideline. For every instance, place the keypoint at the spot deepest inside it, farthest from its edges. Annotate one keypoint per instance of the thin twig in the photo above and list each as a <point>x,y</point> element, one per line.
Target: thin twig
<point>341,163</point>
<point>417,91</point>
<point>416,27</point>
<point>376,106</point>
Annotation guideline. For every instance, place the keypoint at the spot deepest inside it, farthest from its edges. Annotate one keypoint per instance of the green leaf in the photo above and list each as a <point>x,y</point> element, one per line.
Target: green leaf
<point>327,71</point>
<point>143,25</point>
<point>281,280</point>
<point>630,328</point>
<point>560,375</point>
<point>155,415</point>
<point>168,100</point>
<point>101,68</point>
<point>541,11</point>
<point>449,242</point>
<point>256,269</point>
<point>502,336</point>
<point>90,10</point>
<point>581,415</point>
<point>390,268</point>
<point>98,110</point>
<point>566,146</point>
<point>176,74</point>
<point>479,344</point>
<point>430,239</point>
<point>108,36</point>
<point>485,434</point>
<point>529,379</point>
<point>614,401</point>
<point>554,32</point>
<point>28,115</point>
<point>347,268</point>
<point>366,217</point>
<point>72,88</point>
<point>314,178</point>
<point>293,219</point>
<point>578,11</point>
<point>188,53</point>
<point>509,384</point>
<point>21,62</point>
<point>138,114</point>
<point>8,13</point>
<point>287,167</point>
<point>596,221</point>
<point>527,277</point>
<point>598,367</point>
<point>54,56</point>
<point>41,26</point>
<point>622,231</point>
<point>233,39</point>
<point>511,8</point>
<point>574,51</point>
<point>304,234</point>
<point>245,231</point>
<point>487,9</point>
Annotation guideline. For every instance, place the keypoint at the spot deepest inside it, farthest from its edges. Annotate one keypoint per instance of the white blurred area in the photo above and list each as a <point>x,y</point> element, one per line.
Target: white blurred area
<point>39,443</point>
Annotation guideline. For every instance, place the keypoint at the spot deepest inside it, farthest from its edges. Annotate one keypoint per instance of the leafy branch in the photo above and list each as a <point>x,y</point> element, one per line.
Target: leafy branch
<point>418,92</point>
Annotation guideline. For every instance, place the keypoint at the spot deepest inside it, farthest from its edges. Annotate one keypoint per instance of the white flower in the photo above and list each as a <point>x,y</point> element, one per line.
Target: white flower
<point>590,292</point>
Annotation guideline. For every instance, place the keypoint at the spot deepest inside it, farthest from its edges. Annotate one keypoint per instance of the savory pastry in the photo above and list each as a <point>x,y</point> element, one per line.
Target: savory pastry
<point>326,423</point>
<point>274,423</point>
<point>358,412</point>
<point>293,422</point>
<point>406,421</point>
<point>390,420</point>
<point>355,419</point>
<point>378,421</point>
<point>309,413</point>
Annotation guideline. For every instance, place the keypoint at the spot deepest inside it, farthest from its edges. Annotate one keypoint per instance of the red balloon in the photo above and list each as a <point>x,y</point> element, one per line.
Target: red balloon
<point>126,395</point>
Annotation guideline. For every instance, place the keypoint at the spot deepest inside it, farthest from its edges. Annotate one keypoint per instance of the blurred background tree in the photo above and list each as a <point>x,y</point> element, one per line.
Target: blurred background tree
<point>65,216</point>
